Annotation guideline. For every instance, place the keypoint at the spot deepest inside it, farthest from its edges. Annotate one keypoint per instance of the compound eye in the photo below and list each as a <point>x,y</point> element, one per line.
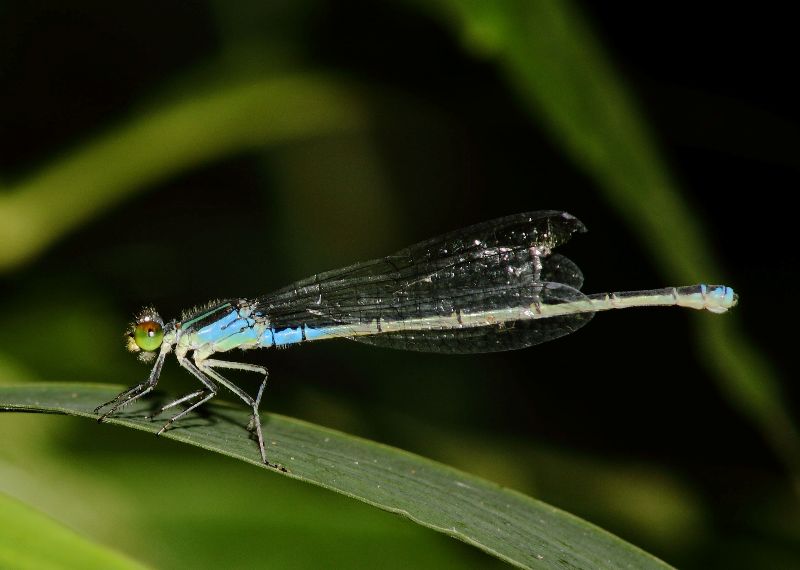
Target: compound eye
<point>148,335</point>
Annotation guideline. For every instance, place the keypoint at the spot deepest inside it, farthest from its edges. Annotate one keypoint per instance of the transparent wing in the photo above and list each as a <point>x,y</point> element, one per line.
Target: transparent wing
<point>503,252</point>
<point>471,285</point>
<point>544,230</point>
<point>491,335</point>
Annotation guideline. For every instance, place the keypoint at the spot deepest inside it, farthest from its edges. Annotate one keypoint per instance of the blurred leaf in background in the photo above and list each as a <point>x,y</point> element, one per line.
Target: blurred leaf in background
<point>171,154</point>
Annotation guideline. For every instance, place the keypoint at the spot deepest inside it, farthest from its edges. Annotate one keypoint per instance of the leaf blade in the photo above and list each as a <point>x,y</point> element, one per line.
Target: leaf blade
<point>504,523</point>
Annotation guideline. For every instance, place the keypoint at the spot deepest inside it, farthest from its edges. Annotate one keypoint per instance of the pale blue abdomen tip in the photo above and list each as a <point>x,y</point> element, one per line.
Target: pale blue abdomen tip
<point>731,298</point>
<point>720,298</point>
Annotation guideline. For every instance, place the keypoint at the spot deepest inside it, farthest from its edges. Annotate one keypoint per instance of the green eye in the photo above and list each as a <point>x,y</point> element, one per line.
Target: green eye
<point>148,335</point>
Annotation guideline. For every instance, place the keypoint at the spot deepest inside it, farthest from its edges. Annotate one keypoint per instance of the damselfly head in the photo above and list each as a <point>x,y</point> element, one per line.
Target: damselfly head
<point>145,334</point>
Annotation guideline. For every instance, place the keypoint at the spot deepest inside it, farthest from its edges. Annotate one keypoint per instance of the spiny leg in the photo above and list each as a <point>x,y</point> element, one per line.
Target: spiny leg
<point>178,416</point>
<point>122,398</point>
<point>121,395</point>
<point>210,392</point>
<point>134,392</point>
<point>180,400</point>
<point>255,420</point>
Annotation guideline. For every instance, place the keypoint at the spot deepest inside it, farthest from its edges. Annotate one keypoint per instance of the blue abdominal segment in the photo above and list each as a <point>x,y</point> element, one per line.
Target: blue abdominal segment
<point>725,293</point>
<point>295,335</point>
<point>288,335</point>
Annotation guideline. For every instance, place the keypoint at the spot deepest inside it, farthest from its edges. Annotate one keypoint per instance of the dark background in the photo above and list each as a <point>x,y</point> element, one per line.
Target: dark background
<point>623,423</point>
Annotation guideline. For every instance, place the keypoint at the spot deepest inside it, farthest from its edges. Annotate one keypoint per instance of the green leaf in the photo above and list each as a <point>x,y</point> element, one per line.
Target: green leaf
<point>29,539</point>
<point>502,522</point>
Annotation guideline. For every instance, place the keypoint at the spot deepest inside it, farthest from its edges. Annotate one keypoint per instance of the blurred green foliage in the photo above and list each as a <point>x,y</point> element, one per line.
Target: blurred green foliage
<point>25,532</point>
<point>172,155</point>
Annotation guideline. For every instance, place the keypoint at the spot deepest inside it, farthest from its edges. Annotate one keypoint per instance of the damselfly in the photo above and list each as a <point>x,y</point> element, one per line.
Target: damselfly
<point>490,287</point>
